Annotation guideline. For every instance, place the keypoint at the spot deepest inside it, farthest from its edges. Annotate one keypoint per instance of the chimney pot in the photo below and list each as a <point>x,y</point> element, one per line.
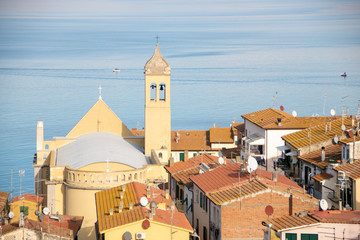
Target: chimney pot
<point>131,205</point>
<point>274,177</point>
<point>322,154</point>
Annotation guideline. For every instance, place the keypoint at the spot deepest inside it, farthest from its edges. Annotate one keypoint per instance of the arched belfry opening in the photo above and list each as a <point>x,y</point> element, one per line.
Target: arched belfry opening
<point>162,91</point>
<point>153,91</point>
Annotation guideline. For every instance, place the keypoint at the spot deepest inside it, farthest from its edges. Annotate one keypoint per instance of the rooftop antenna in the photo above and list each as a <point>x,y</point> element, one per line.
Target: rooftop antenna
<point>100,92</point>
<point>157,39</point>
<point>275,100</point>
<point>11,188</point>
<point>21,174</point>
<point>324,104</point>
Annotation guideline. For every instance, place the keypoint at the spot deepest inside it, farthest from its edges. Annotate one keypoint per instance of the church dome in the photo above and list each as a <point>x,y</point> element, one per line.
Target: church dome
<point>157,64</point>
<point>97,147</point>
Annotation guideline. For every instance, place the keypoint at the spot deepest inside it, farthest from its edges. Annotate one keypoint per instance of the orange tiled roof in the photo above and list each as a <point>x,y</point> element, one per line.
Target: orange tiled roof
<point>318,133</point>
<point>350,139</point>
<point>286,222</point>
<point>322,176</point>
<point>228,175</point>
<point>337,216</point>
<point>28,197</point>
<point>268,119</point>
<point>181,171</point>
<point>221,134</point>
<point>3,198</point>
<point>351,169</point>
<point>333,152</point>
<point>110,199</point>
<point>190,140</point>
<point>137,132</point>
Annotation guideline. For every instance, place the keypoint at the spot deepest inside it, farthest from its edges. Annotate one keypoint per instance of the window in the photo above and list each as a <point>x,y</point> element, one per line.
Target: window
<point>160,155</point>
<point>305,236</point>
<point>204,233</point>
<point>182,156</point>
<point>194,154</point>
<point>152,91</point>
<point>290,236</point>
<point>201,199</point>
<point>343,152</point>
<point>197,226</point>
<point>197,196</point>
<point>25,210</point>
<point>162,91</point>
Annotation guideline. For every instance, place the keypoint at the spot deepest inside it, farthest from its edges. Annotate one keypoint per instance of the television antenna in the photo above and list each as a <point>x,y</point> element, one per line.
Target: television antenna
<point>21,174</point>
<point>325,95</point>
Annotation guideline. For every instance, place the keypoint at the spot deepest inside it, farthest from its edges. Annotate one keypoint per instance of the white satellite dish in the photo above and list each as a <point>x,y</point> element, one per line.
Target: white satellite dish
<point>11,215</point>
<point>252,164</point>
<point>343,127</point>
<point>46,211</point>
<point>332,112</point>
<point>144,201</point>
<point>221,161</point>
<point>324,205</point>
<point>336,139</point>
<point>294,113</point>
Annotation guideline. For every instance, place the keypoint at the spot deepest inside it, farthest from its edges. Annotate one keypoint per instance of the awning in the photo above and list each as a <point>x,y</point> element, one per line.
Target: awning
<point>282,148</point>
<point>293,153</point>
<point>256,140</point>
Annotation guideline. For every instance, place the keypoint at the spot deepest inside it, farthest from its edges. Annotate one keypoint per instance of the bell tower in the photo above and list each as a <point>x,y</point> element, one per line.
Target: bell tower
<point>157,107</point>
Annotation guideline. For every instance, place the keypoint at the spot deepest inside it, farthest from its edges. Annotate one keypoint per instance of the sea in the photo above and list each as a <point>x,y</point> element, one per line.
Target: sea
<point>221,68</point>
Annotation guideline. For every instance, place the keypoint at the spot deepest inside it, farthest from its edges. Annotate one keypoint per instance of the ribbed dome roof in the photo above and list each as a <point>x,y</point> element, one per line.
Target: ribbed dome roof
<point>98,147</point>
<point>157,64</point>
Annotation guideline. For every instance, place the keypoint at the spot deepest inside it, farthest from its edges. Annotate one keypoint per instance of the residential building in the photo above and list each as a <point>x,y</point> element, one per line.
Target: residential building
<point>26,204</point>
<point>263,132</point>
<point>3,205</point>
<point>230,203</point>
<point>47,227</point>
<point>138,211</point>
<point>317,225</point>
<point>180,185</point>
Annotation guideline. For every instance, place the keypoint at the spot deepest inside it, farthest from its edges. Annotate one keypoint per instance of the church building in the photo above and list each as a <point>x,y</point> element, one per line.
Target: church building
<point>100,152</point>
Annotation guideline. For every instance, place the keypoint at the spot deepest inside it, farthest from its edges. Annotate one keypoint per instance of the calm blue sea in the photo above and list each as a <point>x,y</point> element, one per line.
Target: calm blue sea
<point>50,70</point>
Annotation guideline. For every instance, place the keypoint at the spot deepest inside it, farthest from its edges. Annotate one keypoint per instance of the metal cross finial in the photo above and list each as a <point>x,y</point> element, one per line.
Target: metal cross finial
<point>157,39</point>
<point>100,92</point>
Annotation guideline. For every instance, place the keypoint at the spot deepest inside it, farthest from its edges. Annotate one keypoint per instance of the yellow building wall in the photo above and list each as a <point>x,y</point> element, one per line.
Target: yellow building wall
<point>100,118</point>
<point>356,194</point>
<point>15,208</point>
<point>157,115</point>
<point>80,202</point>
<point>156,231</point>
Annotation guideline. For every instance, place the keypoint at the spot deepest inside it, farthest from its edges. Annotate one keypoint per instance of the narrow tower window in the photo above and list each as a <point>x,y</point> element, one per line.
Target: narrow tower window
<point>162,91</point>
<point>152,91</point>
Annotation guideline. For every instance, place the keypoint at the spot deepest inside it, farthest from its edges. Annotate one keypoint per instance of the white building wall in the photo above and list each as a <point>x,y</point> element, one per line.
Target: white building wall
<point>273,140</point>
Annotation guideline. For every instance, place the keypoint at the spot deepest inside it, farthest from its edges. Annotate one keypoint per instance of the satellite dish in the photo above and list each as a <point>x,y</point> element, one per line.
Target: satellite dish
<point>343,127</point>
<point>37,212</point>
<point>221,161</point>
<point>324,205</point>
<point>294,113</point>
<point>282,108</point>
<point>144,201</point>
<point>11,215</point>
<point>46,211</point>
<point>332,112</point>
<point>351,133</point>
<point>127,236</point>
<point>41,217</point>
<point>252,164</point>
<point>269,210</point>
<point>336,139</point>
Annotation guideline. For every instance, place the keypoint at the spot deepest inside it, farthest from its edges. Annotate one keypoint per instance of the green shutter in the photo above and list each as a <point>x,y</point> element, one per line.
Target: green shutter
<point>305,236</point>
<point>182,156</point>
<point>290,236</point>
<point>25,210</point>
<point>194,154</point>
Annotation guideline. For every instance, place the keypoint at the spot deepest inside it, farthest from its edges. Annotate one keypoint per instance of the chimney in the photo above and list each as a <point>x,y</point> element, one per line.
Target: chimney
<point>274,177</point>
<point>279,122</point>
<point>353,121</point>
<point>214,124</point>
<point>39,136</point>
<point>186,155</point>
<point>167,193</point>
<point>322,154</point>
<point>131,205</point>
<point>326,127</point>
<point>124,187</point>
<point>121,205</point>
<point>121,194</point>
<point>171,162</point>
<point>340,205</point>
<point>111,211</point>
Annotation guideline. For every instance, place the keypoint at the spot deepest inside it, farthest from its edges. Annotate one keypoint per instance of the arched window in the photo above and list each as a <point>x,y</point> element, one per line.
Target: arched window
<point>46,146</point>
<point>153,91</point>
<point>160,155</point>
<point>135,176</point>
<point>162,91</point>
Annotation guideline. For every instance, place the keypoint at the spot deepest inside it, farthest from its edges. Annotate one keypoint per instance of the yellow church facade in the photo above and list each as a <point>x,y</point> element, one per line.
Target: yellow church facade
<point>100,152</point>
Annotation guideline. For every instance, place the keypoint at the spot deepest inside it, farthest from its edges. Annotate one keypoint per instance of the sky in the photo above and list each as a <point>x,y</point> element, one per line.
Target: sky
<point>175,8</point>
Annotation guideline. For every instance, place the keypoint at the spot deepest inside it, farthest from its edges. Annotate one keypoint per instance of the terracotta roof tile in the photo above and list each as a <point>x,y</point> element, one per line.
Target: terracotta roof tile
<point>110,199</point>
<point>322,176</point>
<point>28,197</point>
<point>350,140</point>
<point>221,135</point>
<point>190,140</point>
<point>286,222</point>
<point>3,198</point>
<point>337,216</point>
<point>268,119</point>
<point>352,170</point>
<point>318,133</point>
<point>333,152</point>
